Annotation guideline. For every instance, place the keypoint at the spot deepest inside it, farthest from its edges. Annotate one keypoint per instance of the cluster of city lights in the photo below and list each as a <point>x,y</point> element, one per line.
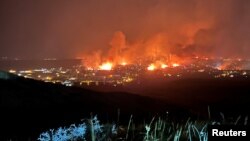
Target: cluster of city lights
<point>122,72</point>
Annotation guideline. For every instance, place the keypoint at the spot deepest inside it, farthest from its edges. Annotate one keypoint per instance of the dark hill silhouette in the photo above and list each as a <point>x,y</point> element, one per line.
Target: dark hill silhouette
<point>29,107</point>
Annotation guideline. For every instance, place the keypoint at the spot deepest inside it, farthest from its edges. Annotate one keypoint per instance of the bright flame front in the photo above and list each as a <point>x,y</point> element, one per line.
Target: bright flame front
<point>163,66</point>
<point>124,63</point>
<point>106,66</point>
<point>151,67</point>
<point>175,65</point>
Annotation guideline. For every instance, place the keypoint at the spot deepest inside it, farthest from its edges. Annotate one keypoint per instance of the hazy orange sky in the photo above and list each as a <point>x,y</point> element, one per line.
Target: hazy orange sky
<point>70,28</point>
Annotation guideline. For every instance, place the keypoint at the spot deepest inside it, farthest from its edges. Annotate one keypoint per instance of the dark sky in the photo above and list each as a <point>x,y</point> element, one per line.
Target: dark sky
<point>69,28</point>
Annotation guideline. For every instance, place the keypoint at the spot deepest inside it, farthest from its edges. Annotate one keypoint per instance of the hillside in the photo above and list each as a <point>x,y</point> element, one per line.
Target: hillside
<point>29,106</point>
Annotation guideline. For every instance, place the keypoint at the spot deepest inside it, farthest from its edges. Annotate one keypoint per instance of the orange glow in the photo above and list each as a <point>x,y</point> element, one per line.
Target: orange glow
<point>123,52</point>
<point>163,66</point>
<point>219,68</point>
<point>175,65</point>
<point>90,68</point>
<point>106,66</point>
<point>124,63</point>
<point>151,67</point>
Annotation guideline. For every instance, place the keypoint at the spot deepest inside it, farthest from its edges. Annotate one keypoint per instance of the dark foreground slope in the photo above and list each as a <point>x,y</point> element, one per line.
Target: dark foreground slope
<point>228,95</point>
<point>29,107</point>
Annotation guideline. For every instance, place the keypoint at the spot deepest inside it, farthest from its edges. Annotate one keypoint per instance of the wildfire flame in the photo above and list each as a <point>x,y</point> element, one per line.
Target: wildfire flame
<point>124,63</point>
<point>106,66</point>
<point>151,67</point>
<point>175,65</point>
<point>163,66</point>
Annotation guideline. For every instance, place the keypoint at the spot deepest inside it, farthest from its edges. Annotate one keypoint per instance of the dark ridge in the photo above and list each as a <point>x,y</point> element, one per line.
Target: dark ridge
<point>30,106</point>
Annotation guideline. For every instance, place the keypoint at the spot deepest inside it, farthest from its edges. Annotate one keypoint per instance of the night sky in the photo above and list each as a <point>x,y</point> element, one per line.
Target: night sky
<point>69,28</point>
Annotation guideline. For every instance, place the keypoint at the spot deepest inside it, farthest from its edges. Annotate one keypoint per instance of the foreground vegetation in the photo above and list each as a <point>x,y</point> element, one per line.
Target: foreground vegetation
<point>158,129</point>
